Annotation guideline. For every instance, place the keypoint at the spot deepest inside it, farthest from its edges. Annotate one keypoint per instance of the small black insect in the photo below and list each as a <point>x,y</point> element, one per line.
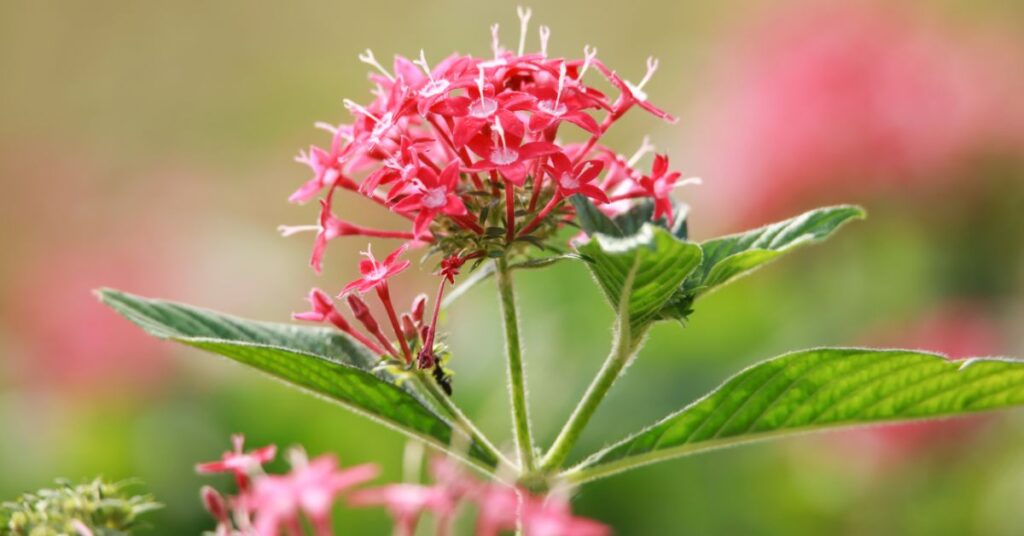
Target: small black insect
<point>442,378</point>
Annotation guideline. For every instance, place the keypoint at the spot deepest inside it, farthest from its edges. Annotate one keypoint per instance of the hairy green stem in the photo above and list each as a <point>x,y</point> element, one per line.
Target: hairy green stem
<point>461,421</point>
<point>623,349</point>
<point>624,346</point>
<point>516,374</point>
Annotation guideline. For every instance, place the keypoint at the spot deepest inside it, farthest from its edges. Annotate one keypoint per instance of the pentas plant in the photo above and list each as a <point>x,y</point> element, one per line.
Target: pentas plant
<point>470,154</point>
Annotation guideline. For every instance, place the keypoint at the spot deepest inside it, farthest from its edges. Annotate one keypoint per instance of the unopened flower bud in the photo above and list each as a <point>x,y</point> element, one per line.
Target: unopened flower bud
<point>214,503</point>
<point>419,305</point>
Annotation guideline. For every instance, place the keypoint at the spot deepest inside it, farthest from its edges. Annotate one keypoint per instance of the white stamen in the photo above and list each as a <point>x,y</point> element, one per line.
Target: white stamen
<point>589,53</point>
<point>422,62</point>
<point>354,108</point>
<point>637,90</point>
<point>288,230</point>
<point>545,34</point>
<point>561,83</point>
<point>495,44</point>
<point>652,65</point>
<point>480,81</point>
<point>369,253</point>
<point>524,24</point>
<point>500,132</point>
<point>645,147</point>
<point>303,157</point>
<point>326,126</point>
<point>367,58</point>
<point>383,126</point>
<point>688,182</point>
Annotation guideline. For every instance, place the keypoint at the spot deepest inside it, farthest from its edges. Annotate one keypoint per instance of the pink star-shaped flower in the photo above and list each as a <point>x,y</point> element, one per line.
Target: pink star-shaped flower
<point>432,195</point>
<point>576,179</point>
<point>504,151</point>
<point>376,273</point>
<point>239,462</point>
<point>311,489</point>
<point>406,502</point>
<point>658,185</point>
<point>326,166</point>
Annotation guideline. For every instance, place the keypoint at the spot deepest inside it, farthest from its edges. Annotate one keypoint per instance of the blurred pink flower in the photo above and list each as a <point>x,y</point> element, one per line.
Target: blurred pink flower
<point>238,462</point>
<point>406,502</point>
<point>310,489</point>
<point>823,101</point>
<point>68,339</point>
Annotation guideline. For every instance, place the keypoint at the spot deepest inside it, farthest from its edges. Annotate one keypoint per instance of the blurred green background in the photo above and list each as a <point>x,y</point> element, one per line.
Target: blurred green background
<point>147,146</point>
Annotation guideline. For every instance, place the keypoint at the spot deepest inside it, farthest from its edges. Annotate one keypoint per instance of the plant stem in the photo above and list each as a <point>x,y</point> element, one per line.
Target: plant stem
<point>516,374</point>
<point>461,421</point>
<point>623,348</point>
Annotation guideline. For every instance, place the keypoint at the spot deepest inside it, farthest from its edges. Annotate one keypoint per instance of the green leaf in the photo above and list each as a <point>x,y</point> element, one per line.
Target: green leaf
<point>661,263</point>
<point>730,257</point>
<point>813,390</point>
<point>592,220</point>
<point>629,222</point>
<point>319,360</point>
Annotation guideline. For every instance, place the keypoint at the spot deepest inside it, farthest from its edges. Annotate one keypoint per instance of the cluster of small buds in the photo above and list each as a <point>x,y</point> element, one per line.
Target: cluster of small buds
<point>468,151</point>
<point>269,505</point>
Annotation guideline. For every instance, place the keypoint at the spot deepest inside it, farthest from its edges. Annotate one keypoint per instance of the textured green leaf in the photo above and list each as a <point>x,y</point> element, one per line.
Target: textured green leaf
<point>730,257</point>
<point>322,361</point>
<point>818,389</point>
<point>591,219</point>
<point>661,263</point>
<point>629,222</point>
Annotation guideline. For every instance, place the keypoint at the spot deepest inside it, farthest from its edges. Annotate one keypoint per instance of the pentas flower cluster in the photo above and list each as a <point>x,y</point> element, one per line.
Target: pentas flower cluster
<point>269,505</point>
<point>469,153</point>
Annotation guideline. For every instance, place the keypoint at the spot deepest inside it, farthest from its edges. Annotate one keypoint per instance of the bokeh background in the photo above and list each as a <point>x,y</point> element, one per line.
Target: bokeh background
<point>147,146</point>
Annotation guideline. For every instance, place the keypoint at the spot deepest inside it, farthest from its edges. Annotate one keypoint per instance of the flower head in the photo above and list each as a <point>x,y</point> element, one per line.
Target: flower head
<point>376,273</point>
<point>242,464</point>
<point>310,488</point>
<point>406,503</point>
<point>432,194</point>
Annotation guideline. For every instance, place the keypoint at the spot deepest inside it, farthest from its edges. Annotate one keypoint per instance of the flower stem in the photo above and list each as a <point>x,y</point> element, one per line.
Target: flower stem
<point>461,421</point>
<point>624,346</point>
<point>516,374</point>
<point>620,355</point>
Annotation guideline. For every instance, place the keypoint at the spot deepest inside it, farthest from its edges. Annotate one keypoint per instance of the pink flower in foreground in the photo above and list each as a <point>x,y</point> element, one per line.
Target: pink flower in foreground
<point>659,184</point>
<point>471,155</point>
<point>406,503</point>
<point>504,151</point>
<point>576,179</point>
<point>376,273</point>
<point>553,517</point>
<point>242,464</point>
<point>432,195</point>
<point>309,489</point>
<point>498,507</point>
<point>326,166</point>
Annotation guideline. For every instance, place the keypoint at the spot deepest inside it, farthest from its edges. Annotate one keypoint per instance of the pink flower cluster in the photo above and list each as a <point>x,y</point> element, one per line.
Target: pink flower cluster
<point>468,151</point>
<point>269,505</point>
